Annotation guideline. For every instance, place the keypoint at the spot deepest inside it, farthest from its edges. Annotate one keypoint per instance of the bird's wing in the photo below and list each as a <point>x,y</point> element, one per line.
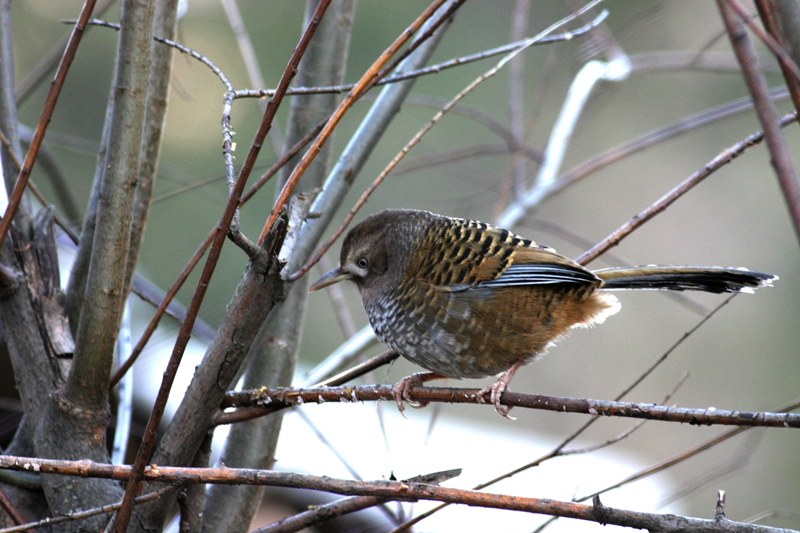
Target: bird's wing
<point>460,254</point>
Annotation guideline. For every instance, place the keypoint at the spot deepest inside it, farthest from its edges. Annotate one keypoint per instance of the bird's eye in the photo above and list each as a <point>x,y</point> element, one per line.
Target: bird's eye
<point>362,263</point>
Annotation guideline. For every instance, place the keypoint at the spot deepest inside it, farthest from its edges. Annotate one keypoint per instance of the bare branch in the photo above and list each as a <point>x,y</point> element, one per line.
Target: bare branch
<point>434,69</point>
<point>367,80</point>
<point>146,447</point>
<point>321,513</point>
<point>766,111</point>
<point>44,118</point>
<point>396,490</point>
<point>271,399</point>
<point>725,157</point>
<point>84,514</point>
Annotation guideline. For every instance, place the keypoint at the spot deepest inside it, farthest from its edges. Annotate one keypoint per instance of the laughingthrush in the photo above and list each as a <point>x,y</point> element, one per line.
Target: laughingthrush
<point>464,299</point>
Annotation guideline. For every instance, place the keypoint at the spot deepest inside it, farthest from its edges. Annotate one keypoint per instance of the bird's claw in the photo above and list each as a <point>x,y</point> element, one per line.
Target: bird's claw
<point>402,390</point>
<point>495,391</point>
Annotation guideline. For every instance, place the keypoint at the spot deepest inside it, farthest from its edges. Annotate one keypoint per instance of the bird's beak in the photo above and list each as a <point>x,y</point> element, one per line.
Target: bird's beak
<point>334,276</point>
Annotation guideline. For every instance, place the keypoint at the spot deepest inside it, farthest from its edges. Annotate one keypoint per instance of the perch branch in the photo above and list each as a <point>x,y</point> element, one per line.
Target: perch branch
<point>270,399</point>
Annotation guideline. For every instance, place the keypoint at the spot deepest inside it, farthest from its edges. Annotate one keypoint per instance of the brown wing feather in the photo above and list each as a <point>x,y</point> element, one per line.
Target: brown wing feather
<point>456,254</point>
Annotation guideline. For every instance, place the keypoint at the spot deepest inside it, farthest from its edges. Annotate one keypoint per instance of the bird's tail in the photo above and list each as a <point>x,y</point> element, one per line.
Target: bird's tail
<point>684,278</point>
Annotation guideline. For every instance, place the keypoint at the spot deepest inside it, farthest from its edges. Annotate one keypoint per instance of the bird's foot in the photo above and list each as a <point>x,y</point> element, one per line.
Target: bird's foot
<point>496,390</point>
<point>402,389</point>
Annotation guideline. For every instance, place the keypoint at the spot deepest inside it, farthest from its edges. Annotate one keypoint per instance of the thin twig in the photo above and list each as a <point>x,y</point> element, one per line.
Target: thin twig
<point>366,81</point>
<point>780,52</point>
<point>681,457</point>
<point>561,448</point>
<point>484,118</point>
<point>664,465</point>
<point>86,513</point>
<point>178,46</point>
<point>625,434</point>
<point>745,453</point>
<point>766,111</point>
<point>346,352</point>
<point>250,59</point>
<point>426,31</point>
<point>249,413</point>
<point>679,127</point>
<point>10,509</point>
<point>6,144</point>
<point>516,99</point>
<point>725,157</point>
<point>343,315</point>
<point>44,118</point>
<point>780,20</point>
<point>432,69</point>
<point>33,77</point>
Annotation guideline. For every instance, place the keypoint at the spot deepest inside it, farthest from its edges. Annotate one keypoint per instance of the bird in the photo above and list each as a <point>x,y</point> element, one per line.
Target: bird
<point>465,299</point>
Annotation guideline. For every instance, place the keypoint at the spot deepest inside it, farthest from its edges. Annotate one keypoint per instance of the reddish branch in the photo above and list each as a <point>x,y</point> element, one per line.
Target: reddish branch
<point>8,506</point>
<point>372,74</point>
<point>394,490</point>
<point>770,16</point>
<point>198,254</point>
<point>322,513</point>
<point>765,109</point>
<point>44,118</point>
<point>789,67</point>
<point>420,134</point>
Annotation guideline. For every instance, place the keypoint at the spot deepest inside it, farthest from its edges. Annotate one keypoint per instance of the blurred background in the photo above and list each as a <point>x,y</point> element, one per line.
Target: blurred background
<point>746,357</point>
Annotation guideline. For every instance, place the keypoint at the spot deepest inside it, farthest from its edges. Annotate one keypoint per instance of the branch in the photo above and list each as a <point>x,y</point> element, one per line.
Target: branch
<point>272,355</point>
<point>781,20</point>
<point>165,26</point>
<point>766,111</point>
<point>372,74</point>
<point>250,59</point>
<point>433,69</point>
<point>725,157</point>
<point>74,516</point>
<point>106,286</point>
<point>44,118</point>
<point>771,37</point>
<point>419,135</point>
<point>394,490</point>
<point>321,513</point>
<point>257,293</point>
<point>167,300</point>
<point>278,398</point>
<point>561,448</point>
<point>148,441</point>
<point>369,132</point>
<point>76,415</point>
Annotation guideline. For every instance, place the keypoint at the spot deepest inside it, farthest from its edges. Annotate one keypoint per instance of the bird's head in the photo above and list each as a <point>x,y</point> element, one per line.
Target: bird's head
<point>375,251</point>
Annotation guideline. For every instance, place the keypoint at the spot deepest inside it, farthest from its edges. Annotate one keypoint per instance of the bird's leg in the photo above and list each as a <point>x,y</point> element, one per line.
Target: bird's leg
<point>497,388</point>
<point>402,388</point>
